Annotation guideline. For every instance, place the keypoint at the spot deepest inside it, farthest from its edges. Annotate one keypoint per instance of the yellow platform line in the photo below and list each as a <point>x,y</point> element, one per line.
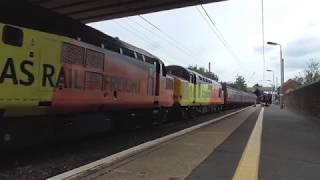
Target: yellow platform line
<point>248,167</point>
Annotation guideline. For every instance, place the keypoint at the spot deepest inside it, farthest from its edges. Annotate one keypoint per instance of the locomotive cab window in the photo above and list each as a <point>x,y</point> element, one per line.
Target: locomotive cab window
<point>164,71</point>
<point>194,79</point>
<point>12,36</point>
<point>149,60</point>
<point>190,78</point>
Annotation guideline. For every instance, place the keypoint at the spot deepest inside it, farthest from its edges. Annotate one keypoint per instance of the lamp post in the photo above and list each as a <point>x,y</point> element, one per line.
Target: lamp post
<point>282,72</point>
<point>274,86</point>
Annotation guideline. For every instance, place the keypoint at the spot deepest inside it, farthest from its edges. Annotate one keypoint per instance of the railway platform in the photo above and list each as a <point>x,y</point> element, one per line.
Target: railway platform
<point>255,143</point>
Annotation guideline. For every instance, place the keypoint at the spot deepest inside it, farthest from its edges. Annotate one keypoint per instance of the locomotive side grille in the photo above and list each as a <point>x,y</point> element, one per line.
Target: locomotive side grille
<point>93,81</point>
<point>72,54</point>
<point>150,86</point>
<point>95,59</point>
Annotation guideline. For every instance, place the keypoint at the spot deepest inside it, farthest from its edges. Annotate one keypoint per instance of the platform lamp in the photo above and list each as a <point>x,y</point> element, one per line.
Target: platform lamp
<point>282,72</point>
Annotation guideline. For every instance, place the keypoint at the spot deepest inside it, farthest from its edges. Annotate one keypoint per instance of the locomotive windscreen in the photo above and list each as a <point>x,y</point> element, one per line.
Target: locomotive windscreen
<point>179,72</point>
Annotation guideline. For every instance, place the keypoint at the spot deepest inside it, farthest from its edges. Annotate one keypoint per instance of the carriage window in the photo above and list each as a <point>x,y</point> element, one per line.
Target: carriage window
<point>12,36</point>
<point>220,92</point>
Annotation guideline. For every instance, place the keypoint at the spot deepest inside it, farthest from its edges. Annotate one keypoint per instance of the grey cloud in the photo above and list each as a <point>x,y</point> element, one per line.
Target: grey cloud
<point>302,47</point>
<point>155,45</point>
<point>298,53</point>
<point>259,49</point>
<point>293,63</point>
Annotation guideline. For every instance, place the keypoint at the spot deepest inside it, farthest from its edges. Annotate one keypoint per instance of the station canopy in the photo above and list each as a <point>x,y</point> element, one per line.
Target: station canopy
<point>88,11</point>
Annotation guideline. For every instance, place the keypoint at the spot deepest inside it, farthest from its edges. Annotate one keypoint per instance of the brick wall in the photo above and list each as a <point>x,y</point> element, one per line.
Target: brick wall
<point>305,100</point>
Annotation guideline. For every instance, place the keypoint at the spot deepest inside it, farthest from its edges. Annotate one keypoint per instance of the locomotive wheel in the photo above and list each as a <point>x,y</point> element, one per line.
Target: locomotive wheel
<point>125,121</point>
<point>192,113</point>
<point>174,114</point>
<point>148,118</point>
<point>164,115</point>
<point>2,136</point>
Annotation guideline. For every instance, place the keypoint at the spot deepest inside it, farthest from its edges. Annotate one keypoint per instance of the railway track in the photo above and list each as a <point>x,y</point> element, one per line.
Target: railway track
<point>49,160</point>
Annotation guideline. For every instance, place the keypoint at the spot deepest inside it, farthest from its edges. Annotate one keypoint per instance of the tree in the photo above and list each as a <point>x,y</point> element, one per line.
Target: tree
<point>257,90</point>
<point>240,83</point>
<point>204,72</point>
<point>299,80</point>
<point>257,86</point>
<point>312,72</point>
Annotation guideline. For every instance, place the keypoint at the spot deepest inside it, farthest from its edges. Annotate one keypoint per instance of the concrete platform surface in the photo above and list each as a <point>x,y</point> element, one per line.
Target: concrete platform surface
<point>290,149</point>
<point>290,146</point>
<point>223,161</point>
<point>260,143</point>
<point>176,158</point>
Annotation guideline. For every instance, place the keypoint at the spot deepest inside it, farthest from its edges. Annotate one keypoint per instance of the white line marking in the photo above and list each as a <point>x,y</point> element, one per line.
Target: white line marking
<point>134,150</point>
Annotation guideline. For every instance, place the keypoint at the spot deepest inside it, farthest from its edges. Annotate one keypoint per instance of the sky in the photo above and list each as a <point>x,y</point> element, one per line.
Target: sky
<point>234,45</point>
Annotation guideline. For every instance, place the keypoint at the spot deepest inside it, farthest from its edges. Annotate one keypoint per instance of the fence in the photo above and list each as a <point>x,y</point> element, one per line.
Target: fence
<point>305,100</point>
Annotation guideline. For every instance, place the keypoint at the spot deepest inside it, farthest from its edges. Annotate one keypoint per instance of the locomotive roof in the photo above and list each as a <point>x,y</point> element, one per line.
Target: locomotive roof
<point>235,89</point>
<point>37,18</point>
<point>178,71</point>
<point>204,78</point>
<point>185,74</point>
<point>137,49</point>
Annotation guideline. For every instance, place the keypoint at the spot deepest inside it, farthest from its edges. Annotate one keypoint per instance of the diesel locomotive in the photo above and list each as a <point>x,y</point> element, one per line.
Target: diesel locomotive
<point>64,78</point>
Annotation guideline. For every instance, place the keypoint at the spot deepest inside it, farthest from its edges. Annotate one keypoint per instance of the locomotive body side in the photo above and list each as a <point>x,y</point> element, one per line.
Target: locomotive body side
<point>217,95</point>
<point>194,92</point>
<point>28,69</point>
<point>44,73</point>
<point>51,85</point>
<point>184,95</point>
<point>208,92</point>
<point>116,82</point>
<point>166,96</point>
<point>184,89</point>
